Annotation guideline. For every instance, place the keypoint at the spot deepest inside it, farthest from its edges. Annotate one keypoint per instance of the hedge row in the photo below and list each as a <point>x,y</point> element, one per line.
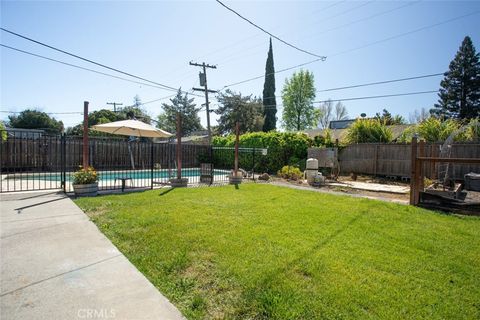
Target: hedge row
<point>284,148</point>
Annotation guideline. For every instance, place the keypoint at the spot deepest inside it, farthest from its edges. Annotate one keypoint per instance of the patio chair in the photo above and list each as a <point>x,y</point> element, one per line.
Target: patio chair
<point>206,173</point>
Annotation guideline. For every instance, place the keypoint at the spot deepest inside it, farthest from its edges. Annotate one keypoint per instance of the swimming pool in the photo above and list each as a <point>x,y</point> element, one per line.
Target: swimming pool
<point>112,175</point>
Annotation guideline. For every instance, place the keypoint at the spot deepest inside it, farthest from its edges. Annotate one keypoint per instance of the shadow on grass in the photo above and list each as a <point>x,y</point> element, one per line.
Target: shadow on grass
<point>166,191</point>
<point>266,292</point>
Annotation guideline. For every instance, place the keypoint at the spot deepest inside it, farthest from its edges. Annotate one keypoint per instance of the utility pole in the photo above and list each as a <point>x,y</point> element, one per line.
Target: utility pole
<point>115,104</point>
<point>203,83</point>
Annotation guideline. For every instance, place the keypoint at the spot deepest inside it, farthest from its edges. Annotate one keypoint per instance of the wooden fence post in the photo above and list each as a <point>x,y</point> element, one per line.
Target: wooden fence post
<point>179,146</point>
<point>419,170</point>
<point>85,135</point>
<point>237,134</point>
<point>413,174</point>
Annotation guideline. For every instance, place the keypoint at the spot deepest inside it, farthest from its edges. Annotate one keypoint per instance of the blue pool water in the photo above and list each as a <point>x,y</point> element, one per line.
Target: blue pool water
<point>134,174</point>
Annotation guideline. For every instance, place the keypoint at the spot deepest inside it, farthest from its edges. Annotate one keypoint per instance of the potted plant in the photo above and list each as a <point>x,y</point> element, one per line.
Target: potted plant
<point>236,179</point>
<point>85,182</point>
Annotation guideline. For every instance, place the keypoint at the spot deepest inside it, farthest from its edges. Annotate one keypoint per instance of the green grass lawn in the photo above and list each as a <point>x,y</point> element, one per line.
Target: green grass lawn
<point>264,251</point>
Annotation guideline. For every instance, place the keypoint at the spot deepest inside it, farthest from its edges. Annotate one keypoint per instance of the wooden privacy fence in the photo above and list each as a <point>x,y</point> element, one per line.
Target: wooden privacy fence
<point>395,159</point>
<point>46,153</point>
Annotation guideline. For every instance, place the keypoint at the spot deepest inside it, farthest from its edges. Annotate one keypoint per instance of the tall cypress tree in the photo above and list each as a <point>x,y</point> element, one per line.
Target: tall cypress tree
<point>269,101</point>
<point>459,95</point>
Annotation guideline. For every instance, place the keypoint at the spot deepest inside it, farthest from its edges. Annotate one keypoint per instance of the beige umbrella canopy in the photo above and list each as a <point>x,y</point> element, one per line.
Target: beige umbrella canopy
<point>132,128</point>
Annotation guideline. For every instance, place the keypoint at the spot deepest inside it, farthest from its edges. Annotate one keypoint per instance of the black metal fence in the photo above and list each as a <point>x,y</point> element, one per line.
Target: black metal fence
<point>37,161</point>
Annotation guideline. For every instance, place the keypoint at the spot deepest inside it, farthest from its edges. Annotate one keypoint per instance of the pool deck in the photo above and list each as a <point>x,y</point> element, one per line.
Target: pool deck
<point>28,181</point>
<point>56,264</point>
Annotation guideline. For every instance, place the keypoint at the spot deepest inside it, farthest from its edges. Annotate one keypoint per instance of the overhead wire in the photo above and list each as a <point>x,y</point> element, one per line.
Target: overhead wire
<point>406,33</point>
<point>17,112</point>
<point>357,48</point>
<point>78,67</point>
<point>323,58</point>
<point>88,60</point>
<point>335,28</point>
<point>379,96</point>
<point>383,82</point>
<point>227,59</point>
<point>378,14</point>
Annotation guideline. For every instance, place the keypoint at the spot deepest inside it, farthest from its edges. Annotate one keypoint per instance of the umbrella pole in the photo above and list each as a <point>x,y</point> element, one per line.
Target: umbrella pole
<point>131,156</point>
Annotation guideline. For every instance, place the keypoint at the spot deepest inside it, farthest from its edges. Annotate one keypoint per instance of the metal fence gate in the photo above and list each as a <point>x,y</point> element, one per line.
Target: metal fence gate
<point>31,161</point>
<point>38,161</point>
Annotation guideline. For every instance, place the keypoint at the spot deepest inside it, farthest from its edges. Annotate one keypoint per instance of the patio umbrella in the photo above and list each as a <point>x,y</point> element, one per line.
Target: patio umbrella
<point>132,128</point>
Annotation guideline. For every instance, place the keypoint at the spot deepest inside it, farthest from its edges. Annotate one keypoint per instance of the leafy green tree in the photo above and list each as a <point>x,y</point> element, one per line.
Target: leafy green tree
<point>247,110</point>
<point>185,106</point>
<point>103,116</point>
<point>459,95</point>
<point>34,119</point>
<point>387,119</point>
<point>96,117</point>
<point>269,100</point>
<point>298,95</point>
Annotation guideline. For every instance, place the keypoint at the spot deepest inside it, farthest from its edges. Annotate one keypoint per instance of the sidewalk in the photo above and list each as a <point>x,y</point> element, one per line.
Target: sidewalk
<point>56,264</point>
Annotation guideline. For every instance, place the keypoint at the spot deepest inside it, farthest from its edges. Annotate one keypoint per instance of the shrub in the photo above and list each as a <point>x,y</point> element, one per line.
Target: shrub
<point>85,176</point>
<point>437,130</point>
<point>324,140</point>
<point>3,132</point>
<point>290,173</point>
<point>472,132</point>
<point>368,130</point>
<point>283,148</point>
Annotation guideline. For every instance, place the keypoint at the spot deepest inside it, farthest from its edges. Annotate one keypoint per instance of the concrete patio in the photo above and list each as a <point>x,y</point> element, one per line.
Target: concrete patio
<point>56,264</point>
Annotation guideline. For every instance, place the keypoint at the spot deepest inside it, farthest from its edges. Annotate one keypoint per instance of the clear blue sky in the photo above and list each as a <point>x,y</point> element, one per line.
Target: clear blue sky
<point>157,39</point>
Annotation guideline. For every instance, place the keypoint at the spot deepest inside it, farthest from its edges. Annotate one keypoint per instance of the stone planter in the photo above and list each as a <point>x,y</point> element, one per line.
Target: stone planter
<point>179,183</point>
<point>86,190</point>
<point>232,179</point>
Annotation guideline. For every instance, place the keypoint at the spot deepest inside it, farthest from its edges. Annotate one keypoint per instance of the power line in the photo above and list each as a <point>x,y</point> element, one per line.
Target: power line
<point>407,33</point>
<point>383,82</point>
<point>159,99</point>
<point>363,19</point>
<point>376,97</point>
<point>323,58</point>
<point>278,71</point>
<point>335,28</point>
<point>17,112</point>
<point>319,19</point>
<point>87,60</point>
<point>358,48</point>
<point>79,67</point>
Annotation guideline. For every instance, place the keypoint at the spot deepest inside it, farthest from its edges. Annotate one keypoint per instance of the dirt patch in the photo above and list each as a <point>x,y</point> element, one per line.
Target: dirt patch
<point>387,195</point>
<point>348,190</point>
